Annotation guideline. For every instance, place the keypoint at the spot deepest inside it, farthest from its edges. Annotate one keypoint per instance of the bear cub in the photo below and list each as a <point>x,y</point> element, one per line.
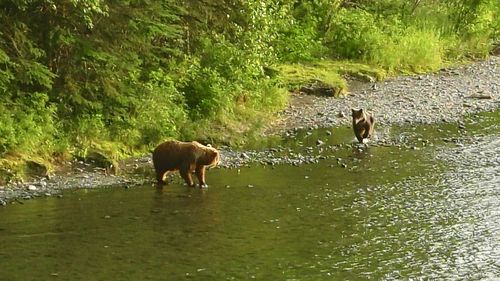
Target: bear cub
<point>362,124</point>
<point>187,157</point>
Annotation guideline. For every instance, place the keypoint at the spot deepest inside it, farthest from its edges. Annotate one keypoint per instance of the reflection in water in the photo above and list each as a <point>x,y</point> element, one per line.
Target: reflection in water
<point>390,213</point>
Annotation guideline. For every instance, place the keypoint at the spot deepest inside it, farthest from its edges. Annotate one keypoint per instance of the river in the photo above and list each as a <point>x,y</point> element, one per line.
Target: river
<point>426,208</point>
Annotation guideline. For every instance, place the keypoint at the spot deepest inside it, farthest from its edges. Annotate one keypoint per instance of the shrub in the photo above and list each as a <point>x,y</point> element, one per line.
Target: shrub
<point>207,93</point>
<point>28,125</point>
<point>413,50</point>
<point>300,43</point>
<point>161,111</point>
<point>354,34</point>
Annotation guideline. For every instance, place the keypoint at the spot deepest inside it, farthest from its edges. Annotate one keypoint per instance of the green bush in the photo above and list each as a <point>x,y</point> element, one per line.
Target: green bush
<point>357,34</point>
<point>300,44</point>
<point>420,39</point>
<point>27,126</point>
<point>161,112</point>
<point>85,131</point>
<point>268,97</point>
<point>354,34</point>
<point>207,93</point>
<point>413,50</point>
<point>224,74</point>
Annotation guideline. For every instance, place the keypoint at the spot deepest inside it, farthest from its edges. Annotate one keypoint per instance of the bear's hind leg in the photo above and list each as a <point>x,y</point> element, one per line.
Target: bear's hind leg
<point>186,175</point>
<point>367,131</point>
<point>372,125</point>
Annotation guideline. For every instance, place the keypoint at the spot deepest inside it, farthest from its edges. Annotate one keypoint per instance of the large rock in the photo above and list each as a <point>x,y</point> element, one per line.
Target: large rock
<point>320,88</point>
<point>37,168</point>
<point>102,160</point>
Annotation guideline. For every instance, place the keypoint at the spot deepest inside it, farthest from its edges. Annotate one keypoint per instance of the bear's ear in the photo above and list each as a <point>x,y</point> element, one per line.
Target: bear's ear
<point>352,109</point>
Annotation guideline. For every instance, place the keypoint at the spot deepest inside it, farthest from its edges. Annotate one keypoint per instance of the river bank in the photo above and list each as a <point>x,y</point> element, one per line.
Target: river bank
<point>446,96</point>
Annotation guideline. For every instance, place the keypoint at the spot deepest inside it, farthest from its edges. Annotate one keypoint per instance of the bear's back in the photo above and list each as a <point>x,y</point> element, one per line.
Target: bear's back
<point>169,154</point>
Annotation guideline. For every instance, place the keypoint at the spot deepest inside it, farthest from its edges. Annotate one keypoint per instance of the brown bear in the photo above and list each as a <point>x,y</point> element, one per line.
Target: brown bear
<point>362,124</point>
<point>186,157</point>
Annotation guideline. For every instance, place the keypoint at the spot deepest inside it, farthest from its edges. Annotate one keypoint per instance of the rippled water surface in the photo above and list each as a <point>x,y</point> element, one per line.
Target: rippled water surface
<point>414,211</point>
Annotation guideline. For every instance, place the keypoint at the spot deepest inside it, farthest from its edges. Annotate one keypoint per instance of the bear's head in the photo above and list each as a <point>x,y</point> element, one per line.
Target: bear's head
<point>357,114</point>
<point>210,157</point>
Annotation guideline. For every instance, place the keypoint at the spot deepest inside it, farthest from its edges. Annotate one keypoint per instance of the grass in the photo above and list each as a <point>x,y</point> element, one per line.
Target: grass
<point>234,129</point>
<point>16,167</point>
<point>328,73</point>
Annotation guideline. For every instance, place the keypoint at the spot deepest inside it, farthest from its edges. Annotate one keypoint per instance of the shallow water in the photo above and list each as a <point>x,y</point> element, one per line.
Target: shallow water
<point>428,209</point>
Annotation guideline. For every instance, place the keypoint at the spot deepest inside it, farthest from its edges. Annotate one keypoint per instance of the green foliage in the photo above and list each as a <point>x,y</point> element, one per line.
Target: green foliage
<point>353,34</point>
<point>28,125</point>
<point>413,51</point>
<point>328,73</point>
<point>299,75</point>
<point>161,112</point>
<point>413,37</point>
<point>387,43</point>
<point>299,44</point>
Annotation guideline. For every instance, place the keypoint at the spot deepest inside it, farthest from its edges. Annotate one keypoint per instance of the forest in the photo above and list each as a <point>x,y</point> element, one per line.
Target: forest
<point>120,76</point>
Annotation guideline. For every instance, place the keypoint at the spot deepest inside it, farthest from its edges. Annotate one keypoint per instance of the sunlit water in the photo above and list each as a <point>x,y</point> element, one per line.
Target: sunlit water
<point>414,212</point>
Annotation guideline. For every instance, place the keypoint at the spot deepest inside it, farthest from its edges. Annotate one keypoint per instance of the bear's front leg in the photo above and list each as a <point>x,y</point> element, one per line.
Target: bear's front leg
<point>200,173</point>
<point>186,175</point>
<point>359,137</point>
<point>159,177</point>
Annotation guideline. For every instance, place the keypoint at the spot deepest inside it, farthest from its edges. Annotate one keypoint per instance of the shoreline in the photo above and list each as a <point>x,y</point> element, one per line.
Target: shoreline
<point>443,97</point>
